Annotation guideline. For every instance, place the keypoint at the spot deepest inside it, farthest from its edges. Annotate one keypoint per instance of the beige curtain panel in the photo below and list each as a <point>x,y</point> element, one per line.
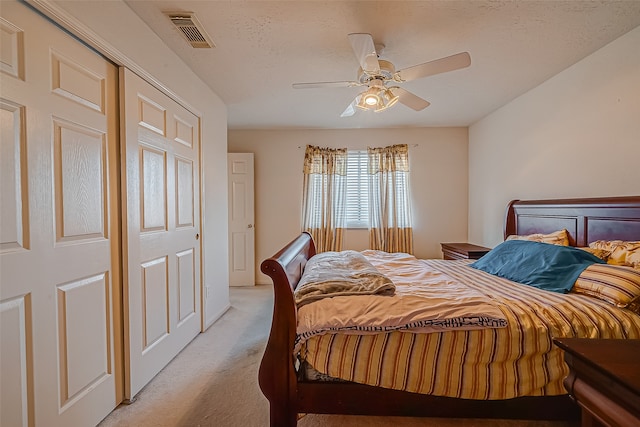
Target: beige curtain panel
<point>390,225</point>
<point>324,196</point>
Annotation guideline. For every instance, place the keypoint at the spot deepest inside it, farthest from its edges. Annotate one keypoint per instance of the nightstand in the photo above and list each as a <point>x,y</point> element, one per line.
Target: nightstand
<point>463,251</point>
<point>604,379</point>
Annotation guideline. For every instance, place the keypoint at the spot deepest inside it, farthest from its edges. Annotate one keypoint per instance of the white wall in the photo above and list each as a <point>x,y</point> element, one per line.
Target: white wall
<point>438,162</point>
<point>115,22</point>
<point>575,135</point>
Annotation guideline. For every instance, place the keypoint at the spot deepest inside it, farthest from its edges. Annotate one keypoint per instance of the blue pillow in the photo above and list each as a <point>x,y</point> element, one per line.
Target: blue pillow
<point>542,265</point>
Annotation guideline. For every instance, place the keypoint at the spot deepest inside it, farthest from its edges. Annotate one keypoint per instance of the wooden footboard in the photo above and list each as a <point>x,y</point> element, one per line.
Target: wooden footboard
<point>277,375</point>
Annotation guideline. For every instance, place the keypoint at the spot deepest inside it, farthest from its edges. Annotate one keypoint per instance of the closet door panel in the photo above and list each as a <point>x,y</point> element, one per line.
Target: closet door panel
<point>61,340</point>
<point>161,157</point>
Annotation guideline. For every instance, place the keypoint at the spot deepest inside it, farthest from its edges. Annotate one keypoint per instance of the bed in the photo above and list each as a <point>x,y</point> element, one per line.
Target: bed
<point>283,375</point>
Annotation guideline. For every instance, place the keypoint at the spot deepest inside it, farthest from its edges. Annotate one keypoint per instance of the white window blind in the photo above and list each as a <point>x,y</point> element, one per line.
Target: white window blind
<point>357,190</point>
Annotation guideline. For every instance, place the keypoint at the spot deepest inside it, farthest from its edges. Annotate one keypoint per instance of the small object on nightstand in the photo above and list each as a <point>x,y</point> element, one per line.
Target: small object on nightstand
<point>463,251</point>
<point>604,378</point>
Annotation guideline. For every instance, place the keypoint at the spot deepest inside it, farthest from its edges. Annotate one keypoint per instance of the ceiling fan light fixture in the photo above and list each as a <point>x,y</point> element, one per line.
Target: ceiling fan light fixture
<point>382,106</point>
<point>377,97</point>
<point>390,97</point>
<point>369,99</point>
<point>387,99</point>
<point>360,102</point>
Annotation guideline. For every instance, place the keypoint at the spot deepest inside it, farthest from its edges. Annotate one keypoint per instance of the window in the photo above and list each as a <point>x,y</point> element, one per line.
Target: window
<point>357,190</point>
<point>357,214</point>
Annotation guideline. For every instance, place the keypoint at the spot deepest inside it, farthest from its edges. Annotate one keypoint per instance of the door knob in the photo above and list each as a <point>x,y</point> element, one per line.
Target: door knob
<point>250,226</point>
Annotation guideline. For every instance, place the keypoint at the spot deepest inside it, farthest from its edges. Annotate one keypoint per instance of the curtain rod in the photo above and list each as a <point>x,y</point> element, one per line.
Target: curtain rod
<point>413,145</point>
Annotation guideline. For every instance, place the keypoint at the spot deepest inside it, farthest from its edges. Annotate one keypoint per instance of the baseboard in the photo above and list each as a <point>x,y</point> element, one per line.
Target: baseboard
<point>216,316</point>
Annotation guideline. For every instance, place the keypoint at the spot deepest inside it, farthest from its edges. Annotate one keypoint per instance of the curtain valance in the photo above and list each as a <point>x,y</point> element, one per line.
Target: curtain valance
<point>325,161</point>
<point>394,158</point>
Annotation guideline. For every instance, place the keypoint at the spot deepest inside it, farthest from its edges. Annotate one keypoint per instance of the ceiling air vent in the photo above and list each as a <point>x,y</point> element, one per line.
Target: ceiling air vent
<point>191,29</point>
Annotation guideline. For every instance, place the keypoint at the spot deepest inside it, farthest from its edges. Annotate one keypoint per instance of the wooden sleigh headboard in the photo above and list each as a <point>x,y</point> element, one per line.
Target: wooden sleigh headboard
<point>586,220</point>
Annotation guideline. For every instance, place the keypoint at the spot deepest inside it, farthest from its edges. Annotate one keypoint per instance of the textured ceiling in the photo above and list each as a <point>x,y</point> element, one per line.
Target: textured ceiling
<point>262,47</point>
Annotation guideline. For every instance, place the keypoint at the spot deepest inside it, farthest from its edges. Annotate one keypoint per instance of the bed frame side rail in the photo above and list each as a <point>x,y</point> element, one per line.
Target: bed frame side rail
<point>361,399</point>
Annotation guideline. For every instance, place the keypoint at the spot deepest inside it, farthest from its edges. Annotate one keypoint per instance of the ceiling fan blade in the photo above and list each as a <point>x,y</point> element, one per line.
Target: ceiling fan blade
<point>365,51</point>
<point>324,84</point>
<point>350,110</point>
<point>442,65</point>
<point>409,99</point>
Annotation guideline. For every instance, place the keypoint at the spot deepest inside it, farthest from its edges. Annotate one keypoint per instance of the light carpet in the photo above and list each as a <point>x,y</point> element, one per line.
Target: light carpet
<point>213,382</point>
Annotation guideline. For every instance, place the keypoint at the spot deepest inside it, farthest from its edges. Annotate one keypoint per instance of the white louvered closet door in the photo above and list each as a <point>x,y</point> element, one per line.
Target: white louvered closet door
<point>60,349</point>
<point>161,157</point>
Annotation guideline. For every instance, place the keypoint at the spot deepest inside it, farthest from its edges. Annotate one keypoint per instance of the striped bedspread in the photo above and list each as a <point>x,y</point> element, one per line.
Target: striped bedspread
<point>495,363</point>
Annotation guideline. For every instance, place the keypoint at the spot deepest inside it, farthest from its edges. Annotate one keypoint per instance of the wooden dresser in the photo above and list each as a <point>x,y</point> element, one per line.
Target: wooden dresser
<point>462,251</point>
<point>604,379</point>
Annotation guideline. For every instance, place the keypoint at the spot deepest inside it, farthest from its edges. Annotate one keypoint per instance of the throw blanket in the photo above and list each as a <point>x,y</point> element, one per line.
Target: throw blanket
<point>425,301</point>
<point>545,266</point>
<point>331,274</point>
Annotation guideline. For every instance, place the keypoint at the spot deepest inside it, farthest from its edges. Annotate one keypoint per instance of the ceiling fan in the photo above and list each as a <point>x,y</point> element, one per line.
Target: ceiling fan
<point>378,74</point>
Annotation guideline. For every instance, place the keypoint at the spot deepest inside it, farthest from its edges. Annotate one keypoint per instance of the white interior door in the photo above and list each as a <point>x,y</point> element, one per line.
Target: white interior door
<point>161,157</point>
<point>241,219</point>
<point>60,331</point>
